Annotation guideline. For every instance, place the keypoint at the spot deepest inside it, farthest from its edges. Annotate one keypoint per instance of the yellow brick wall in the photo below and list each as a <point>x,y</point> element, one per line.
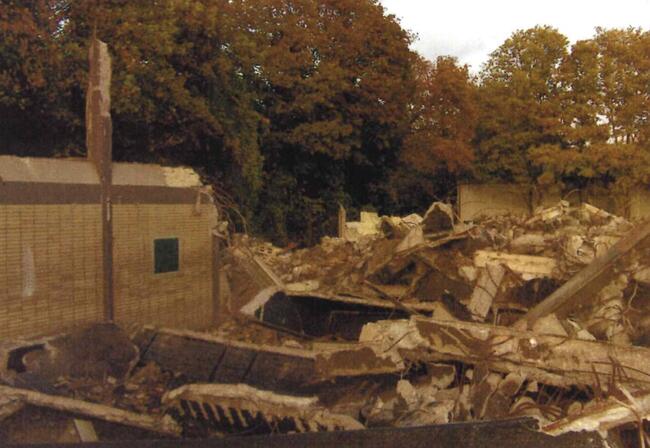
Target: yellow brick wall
<point>50,268</point>
<point>180,299</point>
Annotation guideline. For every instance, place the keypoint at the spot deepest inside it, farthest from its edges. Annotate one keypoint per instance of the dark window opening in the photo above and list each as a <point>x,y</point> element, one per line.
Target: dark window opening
<point>165,255</point>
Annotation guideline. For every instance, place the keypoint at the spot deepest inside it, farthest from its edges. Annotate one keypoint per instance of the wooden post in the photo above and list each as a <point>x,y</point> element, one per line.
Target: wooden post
<point>341,221</point>
<point>217,305</point>
<point>588,282</point>
<point>99,130</point>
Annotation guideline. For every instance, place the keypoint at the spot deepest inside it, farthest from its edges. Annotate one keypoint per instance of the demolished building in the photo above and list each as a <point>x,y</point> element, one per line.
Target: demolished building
<point>536,321</point>
<point>517,329</point>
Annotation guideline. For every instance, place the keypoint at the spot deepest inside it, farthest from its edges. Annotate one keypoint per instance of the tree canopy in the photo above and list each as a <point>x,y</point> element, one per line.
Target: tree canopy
<point>295,106</point>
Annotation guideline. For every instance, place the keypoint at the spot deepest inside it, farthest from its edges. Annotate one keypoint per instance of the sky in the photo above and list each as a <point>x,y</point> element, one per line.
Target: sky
<point>472,29</point>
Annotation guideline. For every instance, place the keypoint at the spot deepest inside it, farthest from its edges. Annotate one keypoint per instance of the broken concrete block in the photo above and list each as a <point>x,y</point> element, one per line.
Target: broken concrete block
<point>577,251</point>
<point>413,239</point>
<point>396,227</point>
<point>408,393</point>
<point>482,391</point>
<point>439,218</point>
<point>468,273</point>
<point>94,351</point>
<point>486,291</point>
<point>432,413</point>
<point>603,416</point>
<point>642,275</point>
<point>527,266</point>
<point>549,325</point>
<point>608,320</point>
<point>498,405</point>
<point>530,241</point>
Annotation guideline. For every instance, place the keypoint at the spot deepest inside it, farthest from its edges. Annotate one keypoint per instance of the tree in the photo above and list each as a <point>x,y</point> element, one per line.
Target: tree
<point>605,115</point>
<point>334,83</point>
<point>624,82</point>
<point>443,118</point>
<point>520,103</point>
<point>439,146</point>
<point>41,95</point>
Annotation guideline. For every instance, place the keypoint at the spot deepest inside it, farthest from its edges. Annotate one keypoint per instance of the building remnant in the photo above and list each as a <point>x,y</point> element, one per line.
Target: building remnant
<point>89,240</point>
<point>165,426</point>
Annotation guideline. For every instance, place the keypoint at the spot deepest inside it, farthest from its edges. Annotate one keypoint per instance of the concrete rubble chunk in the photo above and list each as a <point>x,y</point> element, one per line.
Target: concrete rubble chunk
<point>439,218</point>
<point>486,290</point>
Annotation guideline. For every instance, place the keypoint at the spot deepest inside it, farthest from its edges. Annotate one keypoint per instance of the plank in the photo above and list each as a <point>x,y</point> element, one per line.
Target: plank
<point>588,282</point>
<point>165,426</point>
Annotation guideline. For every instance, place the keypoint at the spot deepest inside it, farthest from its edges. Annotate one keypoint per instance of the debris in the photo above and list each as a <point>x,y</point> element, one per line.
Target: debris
<point>486,290</point>
<point>604,416</point>
<point>395,227</point>
<point>206,358</point>
<point>439,218</point>
<point>229,408</point>
<point>9,406</point>
<point>86,430</point>
<point>550,359</point>
<point>527,266</point>
<point>164,426</point>
<point>398,323</point>
<point>590,280</point>
<point>368,225</point>
<point>94,351</point>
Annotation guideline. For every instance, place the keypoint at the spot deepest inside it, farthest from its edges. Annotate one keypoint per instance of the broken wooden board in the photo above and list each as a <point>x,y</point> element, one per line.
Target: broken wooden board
<point>236,408</point>
<point>164,426</point>
<point>527,266</point>
<point>201,357</point>
<point>550,359</point>
<point>586,284</point>
<point>605,415</point>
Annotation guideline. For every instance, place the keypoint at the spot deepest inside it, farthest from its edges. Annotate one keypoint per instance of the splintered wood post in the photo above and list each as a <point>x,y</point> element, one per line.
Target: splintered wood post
<point>586,284</point>
<point>165,426</point>
<point>99,144</point>
<point>342,218</point>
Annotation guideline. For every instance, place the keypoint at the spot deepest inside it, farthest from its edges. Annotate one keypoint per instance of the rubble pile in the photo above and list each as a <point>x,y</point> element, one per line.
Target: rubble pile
<point>490,271</point>
<point>541,316</point>
<point>399,323</point>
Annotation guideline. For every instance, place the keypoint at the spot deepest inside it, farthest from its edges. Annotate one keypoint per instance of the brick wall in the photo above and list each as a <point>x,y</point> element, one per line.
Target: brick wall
<point>180,299</point>
<point>50,268</point>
